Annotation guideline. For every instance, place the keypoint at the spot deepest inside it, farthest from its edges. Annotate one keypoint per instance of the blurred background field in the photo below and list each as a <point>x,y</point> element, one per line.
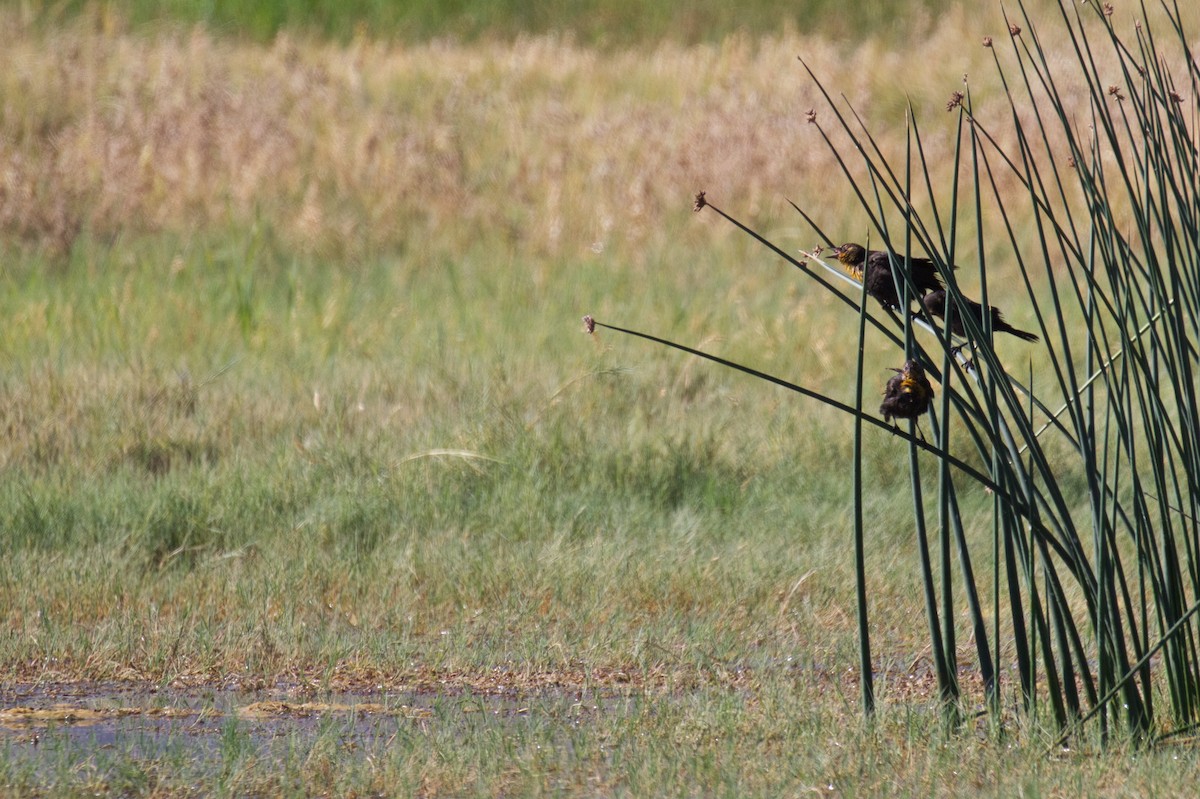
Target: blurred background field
<point>617,23</point>
<point>294,384</point>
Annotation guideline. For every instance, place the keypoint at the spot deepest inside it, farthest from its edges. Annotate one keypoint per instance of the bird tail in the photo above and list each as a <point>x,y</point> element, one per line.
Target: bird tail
<point>1023,334</point>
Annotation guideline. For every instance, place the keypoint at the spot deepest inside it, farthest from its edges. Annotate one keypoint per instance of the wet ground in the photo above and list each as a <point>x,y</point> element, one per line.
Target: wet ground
<point>41,726</point>
<point>48,728</point>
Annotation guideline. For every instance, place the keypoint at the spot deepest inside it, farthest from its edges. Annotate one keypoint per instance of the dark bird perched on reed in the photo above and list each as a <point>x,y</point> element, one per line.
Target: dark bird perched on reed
<point>878,278</point>
<point>907,394</point>
<point>935,303</point>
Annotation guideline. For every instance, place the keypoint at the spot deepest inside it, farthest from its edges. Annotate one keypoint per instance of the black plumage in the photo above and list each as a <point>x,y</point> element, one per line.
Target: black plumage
<point>935,303</point>
<point>907,394</point>
<point>878,274</point>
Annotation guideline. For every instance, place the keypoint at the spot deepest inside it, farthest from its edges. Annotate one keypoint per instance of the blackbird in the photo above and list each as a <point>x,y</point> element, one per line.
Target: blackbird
<point>878,279</point>
<point>935,303</point>
<point>907,394</point>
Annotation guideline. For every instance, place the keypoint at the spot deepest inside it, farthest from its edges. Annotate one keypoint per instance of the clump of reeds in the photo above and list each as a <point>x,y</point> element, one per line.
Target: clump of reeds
<point>1095,590</point>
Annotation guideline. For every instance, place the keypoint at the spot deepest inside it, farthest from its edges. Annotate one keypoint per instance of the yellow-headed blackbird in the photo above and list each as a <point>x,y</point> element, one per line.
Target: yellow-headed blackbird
<point>878,278</point>
<point>907,394</point>
<point>935,303</point>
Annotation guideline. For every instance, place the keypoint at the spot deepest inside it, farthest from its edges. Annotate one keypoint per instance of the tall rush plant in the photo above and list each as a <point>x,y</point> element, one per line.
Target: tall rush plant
<point>1102,613</point>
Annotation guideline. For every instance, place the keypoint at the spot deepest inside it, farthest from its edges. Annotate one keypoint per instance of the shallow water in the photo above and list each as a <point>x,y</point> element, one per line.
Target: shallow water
<point>51,733</point>
<point>51,727</point>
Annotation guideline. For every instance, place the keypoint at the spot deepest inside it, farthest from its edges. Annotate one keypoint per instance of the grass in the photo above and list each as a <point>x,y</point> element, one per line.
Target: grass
<point>306,483</point>
<point>609,23</point>
<point>427,149</point>
<point>294,390</point>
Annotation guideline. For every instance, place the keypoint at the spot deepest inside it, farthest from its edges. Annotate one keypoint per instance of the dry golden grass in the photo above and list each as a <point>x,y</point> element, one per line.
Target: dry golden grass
<point>371,146</point>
